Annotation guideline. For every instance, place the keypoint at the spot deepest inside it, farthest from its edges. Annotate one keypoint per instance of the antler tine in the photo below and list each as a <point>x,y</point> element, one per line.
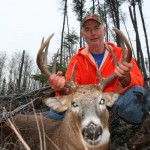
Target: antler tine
<point>124,39</point>
<point>40,64</point>
<point>101,80</point>
<point>112,54</point>
<point>55,62</point>
<point>71,84</point>
<point>42,41</point>
<point>45,54</point>
<point>124,55</point>
<point>104,81</point>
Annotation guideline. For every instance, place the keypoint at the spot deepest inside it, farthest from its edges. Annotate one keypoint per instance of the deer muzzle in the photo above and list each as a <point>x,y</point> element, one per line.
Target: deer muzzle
<point>92,134</point>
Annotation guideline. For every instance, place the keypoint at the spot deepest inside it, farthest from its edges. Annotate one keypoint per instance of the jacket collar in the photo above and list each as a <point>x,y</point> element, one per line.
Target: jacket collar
<point>85,51</point>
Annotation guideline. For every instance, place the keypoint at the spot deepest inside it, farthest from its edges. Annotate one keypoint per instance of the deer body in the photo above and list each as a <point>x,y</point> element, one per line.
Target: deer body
<point>85,126</point>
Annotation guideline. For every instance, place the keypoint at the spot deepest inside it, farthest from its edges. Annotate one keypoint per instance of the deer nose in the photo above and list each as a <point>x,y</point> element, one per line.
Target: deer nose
<point>92,131</point>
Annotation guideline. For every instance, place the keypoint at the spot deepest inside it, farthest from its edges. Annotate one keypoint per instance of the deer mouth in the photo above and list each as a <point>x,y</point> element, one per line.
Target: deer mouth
<point>92,134</point>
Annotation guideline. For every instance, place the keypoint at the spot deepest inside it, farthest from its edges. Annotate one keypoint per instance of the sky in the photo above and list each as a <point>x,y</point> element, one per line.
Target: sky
<point>23,23</point>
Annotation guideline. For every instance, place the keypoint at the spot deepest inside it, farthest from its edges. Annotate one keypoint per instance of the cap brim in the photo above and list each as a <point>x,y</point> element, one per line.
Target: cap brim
<point>91,19</point>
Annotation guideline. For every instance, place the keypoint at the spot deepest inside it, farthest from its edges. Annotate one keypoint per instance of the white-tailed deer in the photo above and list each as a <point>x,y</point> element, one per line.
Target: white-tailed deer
<point>85,126</point>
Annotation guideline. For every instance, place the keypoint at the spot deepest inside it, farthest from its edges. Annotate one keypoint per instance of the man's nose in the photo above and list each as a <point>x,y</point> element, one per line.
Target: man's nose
<point>93,31</point>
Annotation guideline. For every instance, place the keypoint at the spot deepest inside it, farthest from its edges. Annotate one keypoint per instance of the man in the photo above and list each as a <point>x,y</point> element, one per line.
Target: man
<point>96,53</point>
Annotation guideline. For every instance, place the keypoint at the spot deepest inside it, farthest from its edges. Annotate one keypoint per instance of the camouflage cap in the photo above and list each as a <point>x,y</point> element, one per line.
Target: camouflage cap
<point>91,16</point>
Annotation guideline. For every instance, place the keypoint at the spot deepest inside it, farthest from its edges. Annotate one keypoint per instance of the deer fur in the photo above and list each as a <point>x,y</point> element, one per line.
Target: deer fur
<point>86,107</point>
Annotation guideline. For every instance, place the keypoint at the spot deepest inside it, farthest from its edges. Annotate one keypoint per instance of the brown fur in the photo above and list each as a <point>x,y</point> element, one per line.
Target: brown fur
<point>66,134</point>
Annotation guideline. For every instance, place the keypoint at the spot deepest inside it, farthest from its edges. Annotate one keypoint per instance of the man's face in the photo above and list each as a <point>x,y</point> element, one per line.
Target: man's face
<point>93,33</point>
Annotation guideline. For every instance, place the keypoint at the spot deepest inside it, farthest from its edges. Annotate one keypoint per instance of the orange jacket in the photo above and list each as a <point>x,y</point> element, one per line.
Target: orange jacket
<point>85,71</point>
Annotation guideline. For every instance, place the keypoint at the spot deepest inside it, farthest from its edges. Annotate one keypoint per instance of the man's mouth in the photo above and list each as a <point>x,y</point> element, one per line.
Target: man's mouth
<point>94,39</point>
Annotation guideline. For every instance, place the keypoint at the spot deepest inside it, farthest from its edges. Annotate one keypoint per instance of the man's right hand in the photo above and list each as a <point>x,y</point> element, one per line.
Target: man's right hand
<point>57,82</point>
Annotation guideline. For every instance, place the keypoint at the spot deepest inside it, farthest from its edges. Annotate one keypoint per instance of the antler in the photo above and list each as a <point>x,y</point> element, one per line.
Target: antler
<point>104,81</point>
<point>42,63</point>
<point>41,56</point>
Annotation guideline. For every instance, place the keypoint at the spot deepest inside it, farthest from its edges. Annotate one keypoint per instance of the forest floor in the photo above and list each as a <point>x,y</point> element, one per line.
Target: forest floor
<point>124,136</point>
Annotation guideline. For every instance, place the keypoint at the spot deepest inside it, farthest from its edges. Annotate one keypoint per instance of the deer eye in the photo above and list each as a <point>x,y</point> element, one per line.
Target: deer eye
<point>102,101</point>
<point>74,104</point>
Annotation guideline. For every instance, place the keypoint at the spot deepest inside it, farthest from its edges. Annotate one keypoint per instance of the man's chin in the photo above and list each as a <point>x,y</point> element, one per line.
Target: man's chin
<point>95,43</point>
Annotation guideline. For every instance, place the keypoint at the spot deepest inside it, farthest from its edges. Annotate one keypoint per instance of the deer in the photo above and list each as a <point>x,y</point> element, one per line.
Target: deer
<point>86,122</point>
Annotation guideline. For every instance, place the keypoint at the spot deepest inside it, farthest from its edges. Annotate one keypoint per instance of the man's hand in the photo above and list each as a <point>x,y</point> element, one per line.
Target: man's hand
<point>57,82</point>
<point>122,70</point>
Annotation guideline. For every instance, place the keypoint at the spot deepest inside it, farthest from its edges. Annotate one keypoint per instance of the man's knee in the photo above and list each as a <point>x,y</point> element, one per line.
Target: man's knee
<point>56,115</point>
<point>133,105</point>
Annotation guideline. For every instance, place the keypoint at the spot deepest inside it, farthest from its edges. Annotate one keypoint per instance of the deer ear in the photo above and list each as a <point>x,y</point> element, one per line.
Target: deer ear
<point>110,98</point>
<point>59,104</point>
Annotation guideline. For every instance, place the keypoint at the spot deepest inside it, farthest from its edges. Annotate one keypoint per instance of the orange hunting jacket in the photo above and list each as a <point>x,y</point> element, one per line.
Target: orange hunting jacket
<point>85,71</point>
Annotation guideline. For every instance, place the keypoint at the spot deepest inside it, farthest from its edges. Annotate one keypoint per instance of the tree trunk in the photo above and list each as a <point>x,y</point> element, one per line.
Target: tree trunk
<point>93,6</point>
<point>62,33</point>
<point>79,10</point>
<point>114,13</point>
<point>2,65</point>
<point>145,33</point>
<point>123,20</point>
<point>20,70</point>
<point>117,18</point>
<point>81,14</point>
<point>140,58</point>
<point>68,34</point>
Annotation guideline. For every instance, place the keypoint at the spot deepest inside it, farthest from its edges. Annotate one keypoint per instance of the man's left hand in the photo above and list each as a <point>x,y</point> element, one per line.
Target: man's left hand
<point>122,69</point>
